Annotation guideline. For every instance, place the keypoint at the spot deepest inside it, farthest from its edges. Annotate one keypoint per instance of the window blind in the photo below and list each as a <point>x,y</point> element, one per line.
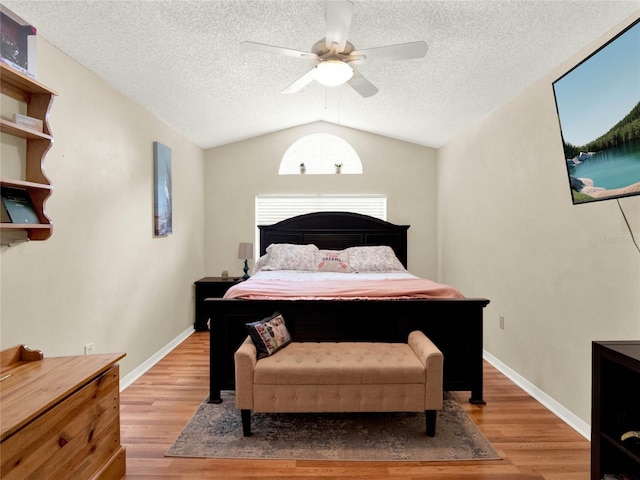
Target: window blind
<point>271,209</point>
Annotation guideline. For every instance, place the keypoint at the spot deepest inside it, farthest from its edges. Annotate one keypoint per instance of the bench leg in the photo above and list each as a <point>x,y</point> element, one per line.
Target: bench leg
<point>246,422</point>
<point>431,416</point>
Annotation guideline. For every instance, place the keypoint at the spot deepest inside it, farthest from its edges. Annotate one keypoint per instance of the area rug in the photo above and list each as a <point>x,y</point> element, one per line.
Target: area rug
<point>215,431</point>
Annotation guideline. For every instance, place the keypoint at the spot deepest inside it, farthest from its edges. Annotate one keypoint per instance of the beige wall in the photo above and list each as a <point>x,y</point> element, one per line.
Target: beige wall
<point>236,173</point>
<point>561,275</point>
<point>103,277</point>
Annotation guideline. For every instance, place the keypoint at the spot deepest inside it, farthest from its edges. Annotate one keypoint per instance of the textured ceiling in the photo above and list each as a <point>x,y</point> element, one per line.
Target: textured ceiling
<point>182,59</point>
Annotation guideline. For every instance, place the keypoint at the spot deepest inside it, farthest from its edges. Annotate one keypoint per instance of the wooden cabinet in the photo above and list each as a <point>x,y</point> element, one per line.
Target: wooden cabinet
<point>615,409</point>
<point>37,99</point>
<point>209,287</point>
<point>60,416</point>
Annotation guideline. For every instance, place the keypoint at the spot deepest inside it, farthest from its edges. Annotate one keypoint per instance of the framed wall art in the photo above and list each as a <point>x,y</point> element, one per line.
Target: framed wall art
<point>163,218</point>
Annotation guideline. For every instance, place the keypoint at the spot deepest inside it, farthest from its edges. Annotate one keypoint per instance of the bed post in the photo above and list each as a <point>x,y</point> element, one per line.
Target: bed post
<point>216,360</point>
<point>477,389</point>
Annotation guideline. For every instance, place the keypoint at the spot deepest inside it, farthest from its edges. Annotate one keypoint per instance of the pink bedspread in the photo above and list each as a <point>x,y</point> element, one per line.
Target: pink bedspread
<point>257,289</point>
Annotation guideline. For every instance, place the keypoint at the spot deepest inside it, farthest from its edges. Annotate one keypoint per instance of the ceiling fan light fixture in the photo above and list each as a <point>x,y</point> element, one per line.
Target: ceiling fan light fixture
<point>332,73</point>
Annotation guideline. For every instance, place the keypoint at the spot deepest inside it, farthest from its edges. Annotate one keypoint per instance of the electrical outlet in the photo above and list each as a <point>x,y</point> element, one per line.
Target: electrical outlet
<point>501,318</point>
<point>88,348</point>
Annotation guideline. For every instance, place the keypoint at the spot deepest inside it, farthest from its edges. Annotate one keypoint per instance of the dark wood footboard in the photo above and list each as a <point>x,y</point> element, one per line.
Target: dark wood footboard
<point>454,325</point>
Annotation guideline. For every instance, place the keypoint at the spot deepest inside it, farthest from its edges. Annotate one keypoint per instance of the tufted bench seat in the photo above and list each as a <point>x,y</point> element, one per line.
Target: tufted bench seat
<point>341,377</point>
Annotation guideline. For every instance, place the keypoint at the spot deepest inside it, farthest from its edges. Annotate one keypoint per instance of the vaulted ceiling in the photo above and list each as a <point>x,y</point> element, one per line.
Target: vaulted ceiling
<point>182,59</point>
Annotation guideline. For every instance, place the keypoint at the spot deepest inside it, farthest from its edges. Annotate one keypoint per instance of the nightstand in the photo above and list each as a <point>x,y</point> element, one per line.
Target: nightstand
<point>210,287</point>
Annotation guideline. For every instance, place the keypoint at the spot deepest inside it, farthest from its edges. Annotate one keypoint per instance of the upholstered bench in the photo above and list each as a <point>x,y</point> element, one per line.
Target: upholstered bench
<point>341,377</point>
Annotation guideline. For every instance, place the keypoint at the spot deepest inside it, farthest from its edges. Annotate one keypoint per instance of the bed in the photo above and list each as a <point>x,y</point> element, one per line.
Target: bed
<point>453,322</point>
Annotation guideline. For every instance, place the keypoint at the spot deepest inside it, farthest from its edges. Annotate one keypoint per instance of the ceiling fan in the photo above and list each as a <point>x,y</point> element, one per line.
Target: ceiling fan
<point>335,57</point>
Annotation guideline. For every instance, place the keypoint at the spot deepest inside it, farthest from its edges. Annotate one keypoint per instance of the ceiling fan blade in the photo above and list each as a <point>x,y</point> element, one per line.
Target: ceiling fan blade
<point>400,51</point>
<point>361,85</point>
<point>301,82</point>
<point>261,47</point>
<point>338,17</point>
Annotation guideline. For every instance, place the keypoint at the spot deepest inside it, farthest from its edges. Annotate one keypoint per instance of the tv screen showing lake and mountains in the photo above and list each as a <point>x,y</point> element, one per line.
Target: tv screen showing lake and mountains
<point>598,104</point>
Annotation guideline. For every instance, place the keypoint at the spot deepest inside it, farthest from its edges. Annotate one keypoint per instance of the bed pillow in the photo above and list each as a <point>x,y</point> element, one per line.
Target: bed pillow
<point>332,261</point>
<point>287,256</point>
<point>260,264</point>
<point>379,258</point>
<point>269,335</point>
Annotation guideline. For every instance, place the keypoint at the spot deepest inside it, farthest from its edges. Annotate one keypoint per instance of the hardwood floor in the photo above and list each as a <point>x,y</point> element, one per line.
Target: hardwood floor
<point>533,442</point>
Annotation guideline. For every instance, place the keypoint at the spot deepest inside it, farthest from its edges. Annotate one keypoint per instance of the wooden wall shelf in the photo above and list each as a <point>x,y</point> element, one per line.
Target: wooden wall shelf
<point>38,99</point>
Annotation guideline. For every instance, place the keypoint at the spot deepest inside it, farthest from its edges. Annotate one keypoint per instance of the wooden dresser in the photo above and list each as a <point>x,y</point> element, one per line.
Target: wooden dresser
<point>60,416</point>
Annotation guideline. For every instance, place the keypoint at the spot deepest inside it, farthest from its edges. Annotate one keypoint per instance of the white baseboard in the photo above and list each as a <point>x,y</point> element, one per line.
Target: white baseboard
<point>575,422</point>
<point>155,358</point>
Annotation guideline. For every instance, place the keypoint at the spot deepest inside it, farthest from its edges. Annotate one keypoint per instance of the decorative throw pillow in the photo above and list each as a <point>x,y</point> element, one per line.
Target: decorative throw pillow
<point>269,335</point>
<point>379,258</point>
<point>288,256</point>
<point>332,261</point>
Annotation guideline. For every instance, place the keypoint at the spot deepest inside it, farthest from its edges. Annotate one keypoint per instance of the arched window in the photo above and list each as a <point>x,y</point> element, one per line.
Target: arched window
<point>320,153</point>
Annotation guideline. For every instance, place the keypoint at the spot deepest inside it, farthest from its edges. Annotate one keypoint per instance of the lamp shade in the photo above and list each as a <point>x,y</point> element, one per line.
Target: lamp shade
<point>245,251</point>
<point>332,73</point>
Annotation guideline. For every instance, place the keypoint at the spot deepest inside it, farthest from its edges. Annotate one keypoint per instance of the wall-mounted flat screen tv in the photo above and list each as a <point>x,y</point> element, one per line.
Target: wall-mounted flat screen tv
<point>598,105</point>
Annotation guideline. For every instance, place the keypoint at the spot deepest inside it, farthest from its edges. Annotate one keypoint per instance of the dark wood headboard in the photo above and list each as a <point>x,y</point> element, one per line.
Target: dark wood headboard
<point>336,231</point>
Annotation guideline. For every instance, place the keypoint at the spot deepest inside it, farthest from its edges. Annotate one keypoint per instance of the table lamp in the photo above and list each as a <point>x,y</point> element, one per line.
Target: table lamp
<point>245,251</point>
